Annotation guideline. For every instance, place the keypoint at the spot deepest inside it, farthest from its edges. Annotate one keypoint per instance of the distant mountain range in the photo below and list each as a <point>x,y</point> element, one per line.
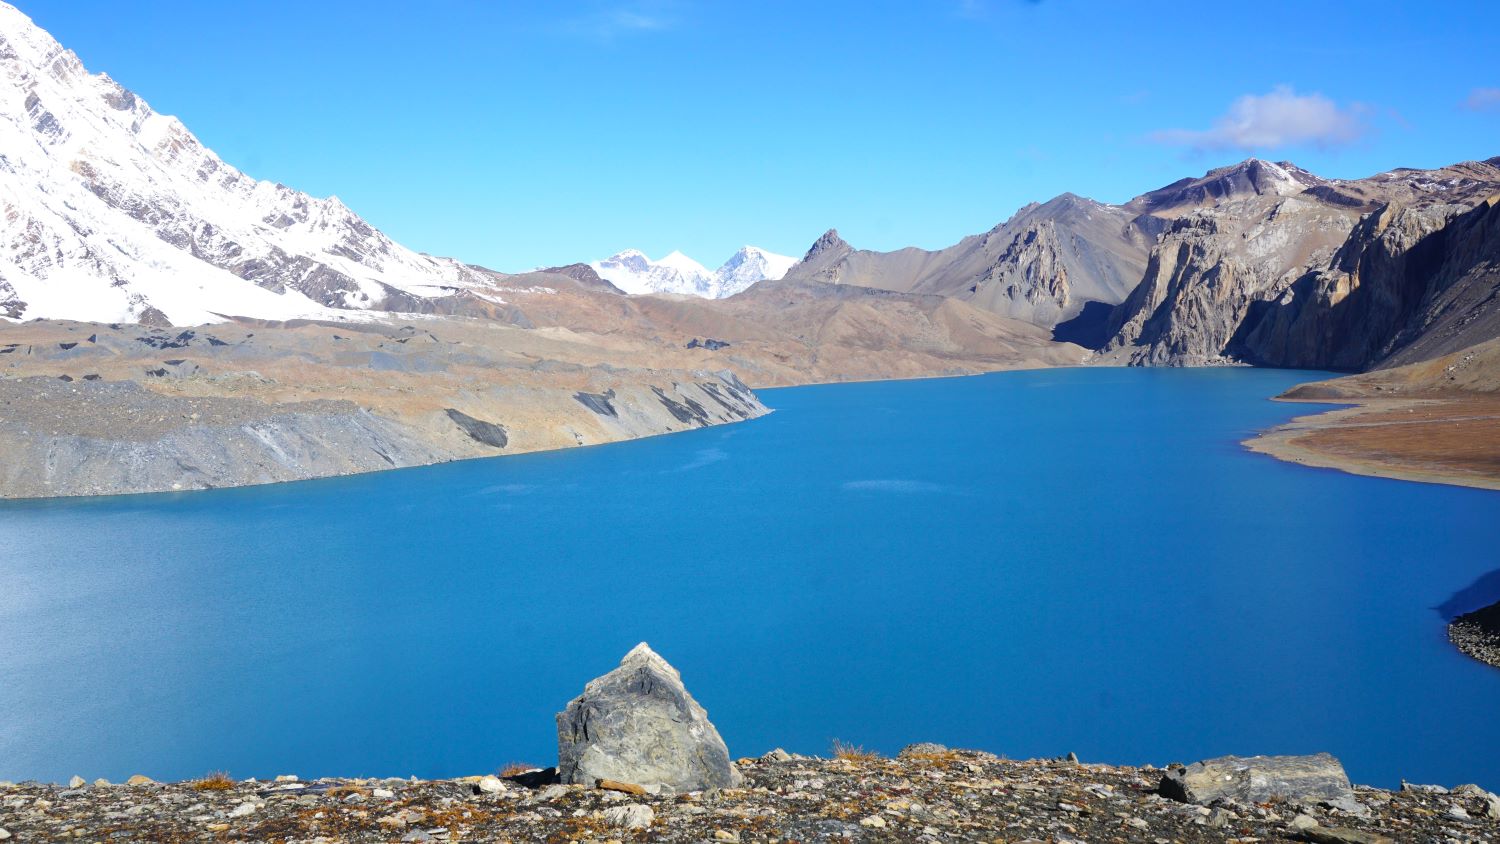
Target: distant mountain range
<point>1257,262</point>
<point>114,213</point>
<point>633,272</point>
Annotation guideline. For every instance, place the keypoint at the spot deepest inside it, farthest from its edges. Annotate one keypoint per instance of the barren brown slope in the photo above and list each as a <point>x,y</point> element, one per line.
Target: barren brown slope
<point>1436,421</point>
<point>95,409</point>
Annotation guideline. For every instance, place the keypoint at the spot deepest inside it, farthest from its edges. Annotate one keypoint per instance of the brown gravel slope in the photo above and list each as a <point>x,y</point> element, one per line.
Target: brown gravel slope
<point>1437,421</point>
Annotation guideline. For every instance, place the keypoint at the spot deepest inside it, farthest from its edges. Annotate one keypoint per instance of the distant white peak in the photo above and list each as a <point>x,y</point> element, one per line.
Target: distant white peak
<point>676,273</point>
<point>678,261</point>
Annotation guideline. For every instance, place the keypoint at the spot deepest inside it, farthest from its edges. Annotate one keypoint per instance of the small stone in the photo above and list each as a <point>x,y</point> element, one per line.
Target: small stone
<point>626,787</point>
<point>1219,819</point>
<point>243,810</point>
<point>356,797</point>
<point>551,792</point>
<point>286,778</point>
<point>4,836</point>
<point>140,779</point>
<point>777,755</point>
<point>102,783</point>
<point>923,748</point>
<point>490,785</point>
<point>1302,822</point>
<point>1458,813</point>
<point>1137,823</point>
<point>383,793</point>
<point>726,835</point>
<point>77,782</point>
<point>217,827</point>
<point>630,816</point>
<point>873,822</point>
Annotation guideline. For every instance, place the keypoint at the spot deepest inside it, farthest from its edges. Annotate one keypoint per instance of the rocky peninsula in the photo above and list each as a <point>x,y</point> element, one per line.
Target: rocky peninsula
<point>678,784</point>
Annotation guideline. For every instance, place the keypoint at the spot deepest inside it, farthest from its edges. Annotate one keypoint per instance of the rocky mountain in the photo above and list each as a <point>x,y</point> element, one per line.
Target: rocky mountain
<point>1257,262</point>
<point>113,212</point>
<point>633,272</point>
<point>1044,265</point>
<point>1283,268</point>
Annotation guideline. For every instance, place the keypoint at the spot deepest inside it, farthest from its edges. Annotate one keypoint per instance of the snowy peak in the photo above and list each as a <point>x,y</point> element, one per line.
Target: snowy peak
<point>111,212</point>
<point>633,272</point>
<point>750,265</point>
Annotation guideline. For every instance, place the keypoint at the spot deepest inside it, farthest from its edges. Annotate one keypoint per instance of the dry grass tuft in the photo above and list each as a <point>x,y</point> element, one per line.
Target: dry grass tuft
<point>216,781</point>
<point>942,757</point>
<point>852,752</point>
<point>515,769</point>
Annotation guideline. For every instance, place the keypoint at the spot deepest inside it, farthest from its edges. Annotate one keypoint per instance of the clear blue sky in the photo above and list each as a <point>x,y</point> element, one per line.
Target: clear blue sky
<point>524,134</point>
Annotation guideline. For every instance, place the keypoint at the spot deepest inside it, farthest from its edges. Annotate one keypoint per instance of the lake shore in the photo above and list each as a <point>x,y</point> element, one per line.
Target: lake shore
<point>1438,440</point>
<point>928,793</point>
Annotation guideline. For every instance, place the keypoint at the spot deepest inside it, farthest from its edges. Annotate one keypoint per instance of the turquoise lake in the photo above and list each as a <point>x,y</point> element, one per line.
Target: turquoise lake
<point>1029,563</point>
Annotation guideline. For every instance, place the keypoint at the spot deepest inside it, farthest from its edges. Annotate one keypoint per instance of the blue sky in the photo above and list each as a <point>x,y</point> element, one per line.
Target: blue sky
<point>524,134</point>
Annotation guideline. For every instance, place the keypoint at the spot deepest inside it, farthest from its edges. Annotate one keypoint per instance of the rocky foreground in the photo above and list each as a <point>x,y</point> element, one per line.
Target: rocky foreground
<point>928,793</point>
<point>640,761</point>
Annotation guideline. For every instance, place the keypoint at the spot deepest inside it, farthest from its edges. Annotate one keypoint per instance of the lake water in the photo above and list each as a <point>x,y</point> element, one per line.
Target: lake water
<point>1028,563</point>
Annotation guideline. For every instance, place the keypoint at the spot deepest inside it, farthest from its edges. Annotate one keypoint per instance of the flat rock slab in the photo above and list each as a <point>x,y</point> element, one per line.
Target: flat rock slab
<point>1256,779</point>
<point>638,724</point>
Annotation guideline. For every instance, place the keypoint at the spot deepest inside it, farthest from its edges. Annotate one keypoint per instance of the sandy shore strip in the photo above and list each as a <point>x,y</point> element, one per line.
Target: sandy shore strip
<point>1442,440</point>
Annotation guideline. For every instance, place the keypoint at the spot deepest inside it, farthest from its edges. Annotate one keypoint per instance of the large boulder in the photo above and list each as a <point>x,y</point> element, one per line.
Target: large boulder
<point>638,724</point>
<point>1256,779</point>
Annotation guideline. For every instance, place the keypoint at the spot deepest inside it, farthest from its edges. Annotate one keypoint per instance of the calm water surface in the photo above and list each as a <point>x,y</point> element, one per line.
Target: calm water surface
<point>1029,563</point>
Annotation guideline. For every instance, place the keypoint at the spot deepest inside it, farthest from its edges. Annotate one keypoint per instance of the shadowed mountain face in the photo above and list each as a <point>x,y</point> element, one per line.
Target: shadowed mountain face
<point>1306,272</point>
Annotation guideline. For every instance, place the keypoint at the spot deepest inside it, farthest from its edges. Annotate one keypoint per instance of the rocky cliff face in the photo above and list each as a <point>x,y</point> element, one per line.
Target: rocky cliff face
<point>1409,284</point>
<point>1302,272</point>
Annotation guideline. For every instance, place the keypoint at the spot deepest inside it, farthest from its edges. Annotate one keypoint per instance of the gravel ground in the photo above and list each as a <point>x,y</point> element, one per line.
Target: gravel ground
<point>1478,634</point>
<point>928,794</point>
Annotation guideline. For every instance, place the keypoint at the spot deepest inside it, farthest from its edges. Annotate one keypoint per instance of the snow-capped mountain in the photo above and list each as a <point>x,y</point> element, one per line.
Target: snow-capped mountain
<point>633,272</point>
<point>112,212</point>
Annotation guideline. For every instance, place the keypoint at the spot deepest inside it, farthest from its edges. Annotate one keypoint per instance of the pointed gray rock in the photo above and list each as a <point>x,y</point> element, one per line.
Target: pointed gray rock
<point>638,724</point>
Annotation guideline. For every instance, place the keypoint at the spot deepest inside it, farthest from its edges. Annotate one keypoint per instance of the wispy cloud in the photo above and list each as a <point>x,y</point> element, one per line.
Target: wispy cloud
<point>621,21</point>
<point>1483,99</point>
<point>1277,119</point>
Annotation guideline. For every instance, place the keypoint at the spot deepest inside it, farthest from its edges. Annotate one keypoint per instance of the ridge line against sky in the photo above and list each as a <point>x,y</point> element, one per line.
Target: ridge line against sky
<point>515,136</point>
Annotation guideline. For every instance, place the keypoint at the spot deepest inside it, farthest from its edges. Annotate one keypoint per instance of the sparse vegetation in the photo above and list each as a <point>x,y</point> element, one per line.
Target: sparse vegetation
<point>515,769</point>
<point>215,781</point>
<point>852,752</point>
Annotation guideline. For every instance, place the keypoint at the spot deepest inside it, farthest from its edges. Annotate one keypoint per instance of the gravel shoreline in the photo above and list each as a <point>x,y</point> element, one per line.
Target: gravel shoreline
<point>1478,634</point>
<point>928,794</point>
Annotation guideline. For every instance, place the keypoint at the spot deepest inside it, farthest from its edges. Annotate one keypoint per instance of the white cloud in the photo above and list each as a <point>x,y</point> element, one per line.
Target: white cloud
<point>1483,99</point>
<point>620,21</point>
<point>1277,119</point>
